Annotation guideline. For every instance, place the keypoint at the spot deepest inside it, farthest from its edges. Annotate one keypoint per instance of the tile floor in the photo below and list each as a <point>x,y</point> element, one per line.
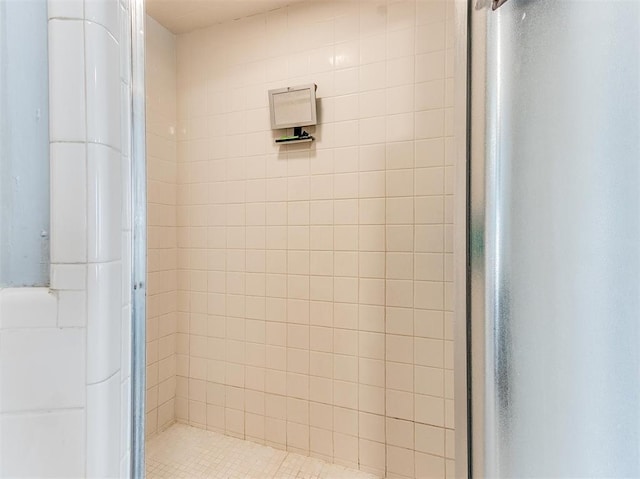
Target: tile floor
<point>183,451</point>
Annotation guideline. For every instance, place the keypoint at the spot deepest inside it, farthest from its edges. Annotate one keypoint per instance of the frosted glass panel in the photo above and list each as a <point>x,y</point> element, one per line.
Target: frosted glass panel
<point>565,77</point>
<point>24,144</point>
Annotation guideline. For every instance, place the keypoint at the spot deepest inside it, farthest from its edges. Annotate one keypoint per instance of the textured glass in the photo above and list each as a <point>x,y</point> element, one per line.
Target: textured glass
<point>24,144</point>
<point>564,125</point>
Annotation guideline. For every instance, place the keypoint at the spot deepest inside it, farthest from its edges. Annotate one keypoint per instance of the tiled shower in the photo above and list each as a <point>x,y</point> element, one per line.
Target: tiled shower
<point>301,296</point>
<point>65,346</point>
<point>296,319</point>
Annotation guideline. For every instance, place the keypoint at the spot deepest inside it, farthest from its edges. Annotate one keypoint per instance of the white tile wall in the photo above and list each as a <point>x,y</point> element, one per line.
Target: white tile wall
<point>41,314</point>
<point>104,195</point>
<point>68,202</point>
<point>162,302</point>
<point>64,351</point>
<point>66,80</point>
<point>103,83</point>
<point>103,332</point>
<point>103,428</point>
<point>66,9</point>
<point>53,361</point>
<point>105,13</point>
<point>43,444</point>
<point>315,282</point>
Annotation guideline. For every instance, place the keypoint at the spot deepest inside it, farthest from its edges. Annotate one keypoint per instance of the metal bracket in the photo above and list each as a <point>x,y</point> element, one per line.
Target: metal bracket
<point>497,4</point>
<point>481,4</point>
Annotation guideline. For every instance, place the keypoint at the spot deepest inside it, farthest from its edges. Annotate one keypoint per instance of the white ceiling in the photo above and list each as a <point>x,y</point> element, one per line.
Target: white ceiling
<point>181,16</point>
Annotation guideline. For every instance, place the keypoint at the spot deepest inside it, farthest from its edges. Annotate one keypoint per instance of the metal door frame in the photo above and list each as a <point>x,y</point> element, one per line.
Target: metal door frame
<point>139,251</point>
<point>473,365</point>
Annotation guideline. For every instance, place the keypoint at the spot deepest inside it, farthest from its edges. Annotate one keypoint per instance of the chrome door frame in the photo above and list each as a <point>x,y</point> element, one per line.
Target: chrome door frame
<point>480,218</point>
<point>139,251</point>
<point>461,225</point>
<point>474,237</point>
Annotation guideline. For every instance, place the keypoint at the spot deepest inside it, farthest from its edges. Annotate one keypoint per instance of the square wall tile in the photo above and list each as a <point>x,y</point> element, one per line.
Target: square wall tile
<point>68,203</point>
<point>103,432</point>
<point>65,9</point>
<point>43,444</point>
<point>105,13</point>
<point>27,308</point>
<point>104,194</point>
<point>42,369</point>
<point>103,320</point>
<point>67,75</point>
<point>102,81</point>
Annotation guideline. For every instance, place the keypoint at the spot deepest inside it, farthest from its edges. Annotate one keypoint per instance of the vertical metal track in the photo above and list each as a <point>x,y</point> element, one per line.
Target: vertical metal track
<point>139,259</point>
<point>480,280</point>
<point>462,366</point>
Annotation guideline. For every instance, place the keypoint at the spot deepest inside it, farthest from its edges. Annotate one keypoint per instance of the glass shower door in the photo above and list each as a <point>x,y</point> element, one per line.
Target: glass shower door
<point>555,239</point>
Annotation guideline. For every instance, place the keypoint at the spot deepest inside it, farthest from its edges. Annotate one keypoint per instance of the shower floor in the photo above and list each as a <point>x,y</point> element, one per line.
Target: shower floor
<point>183,451</point>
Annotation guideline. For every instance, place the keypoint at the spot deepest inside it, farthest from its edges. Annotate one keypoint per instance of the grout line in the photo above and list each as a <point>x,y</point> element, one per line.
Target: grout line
<point>386,208</point>
<point>284,458</point>
<point>52,410</point>
<point>103,380</point>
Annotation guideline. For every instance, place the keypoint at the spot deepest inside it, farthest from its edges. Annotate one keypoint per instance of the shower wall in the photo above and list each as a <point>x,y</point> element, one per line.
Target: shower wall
<point>162,174</point>
<point>315,282</point>
<point>65,349</point>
